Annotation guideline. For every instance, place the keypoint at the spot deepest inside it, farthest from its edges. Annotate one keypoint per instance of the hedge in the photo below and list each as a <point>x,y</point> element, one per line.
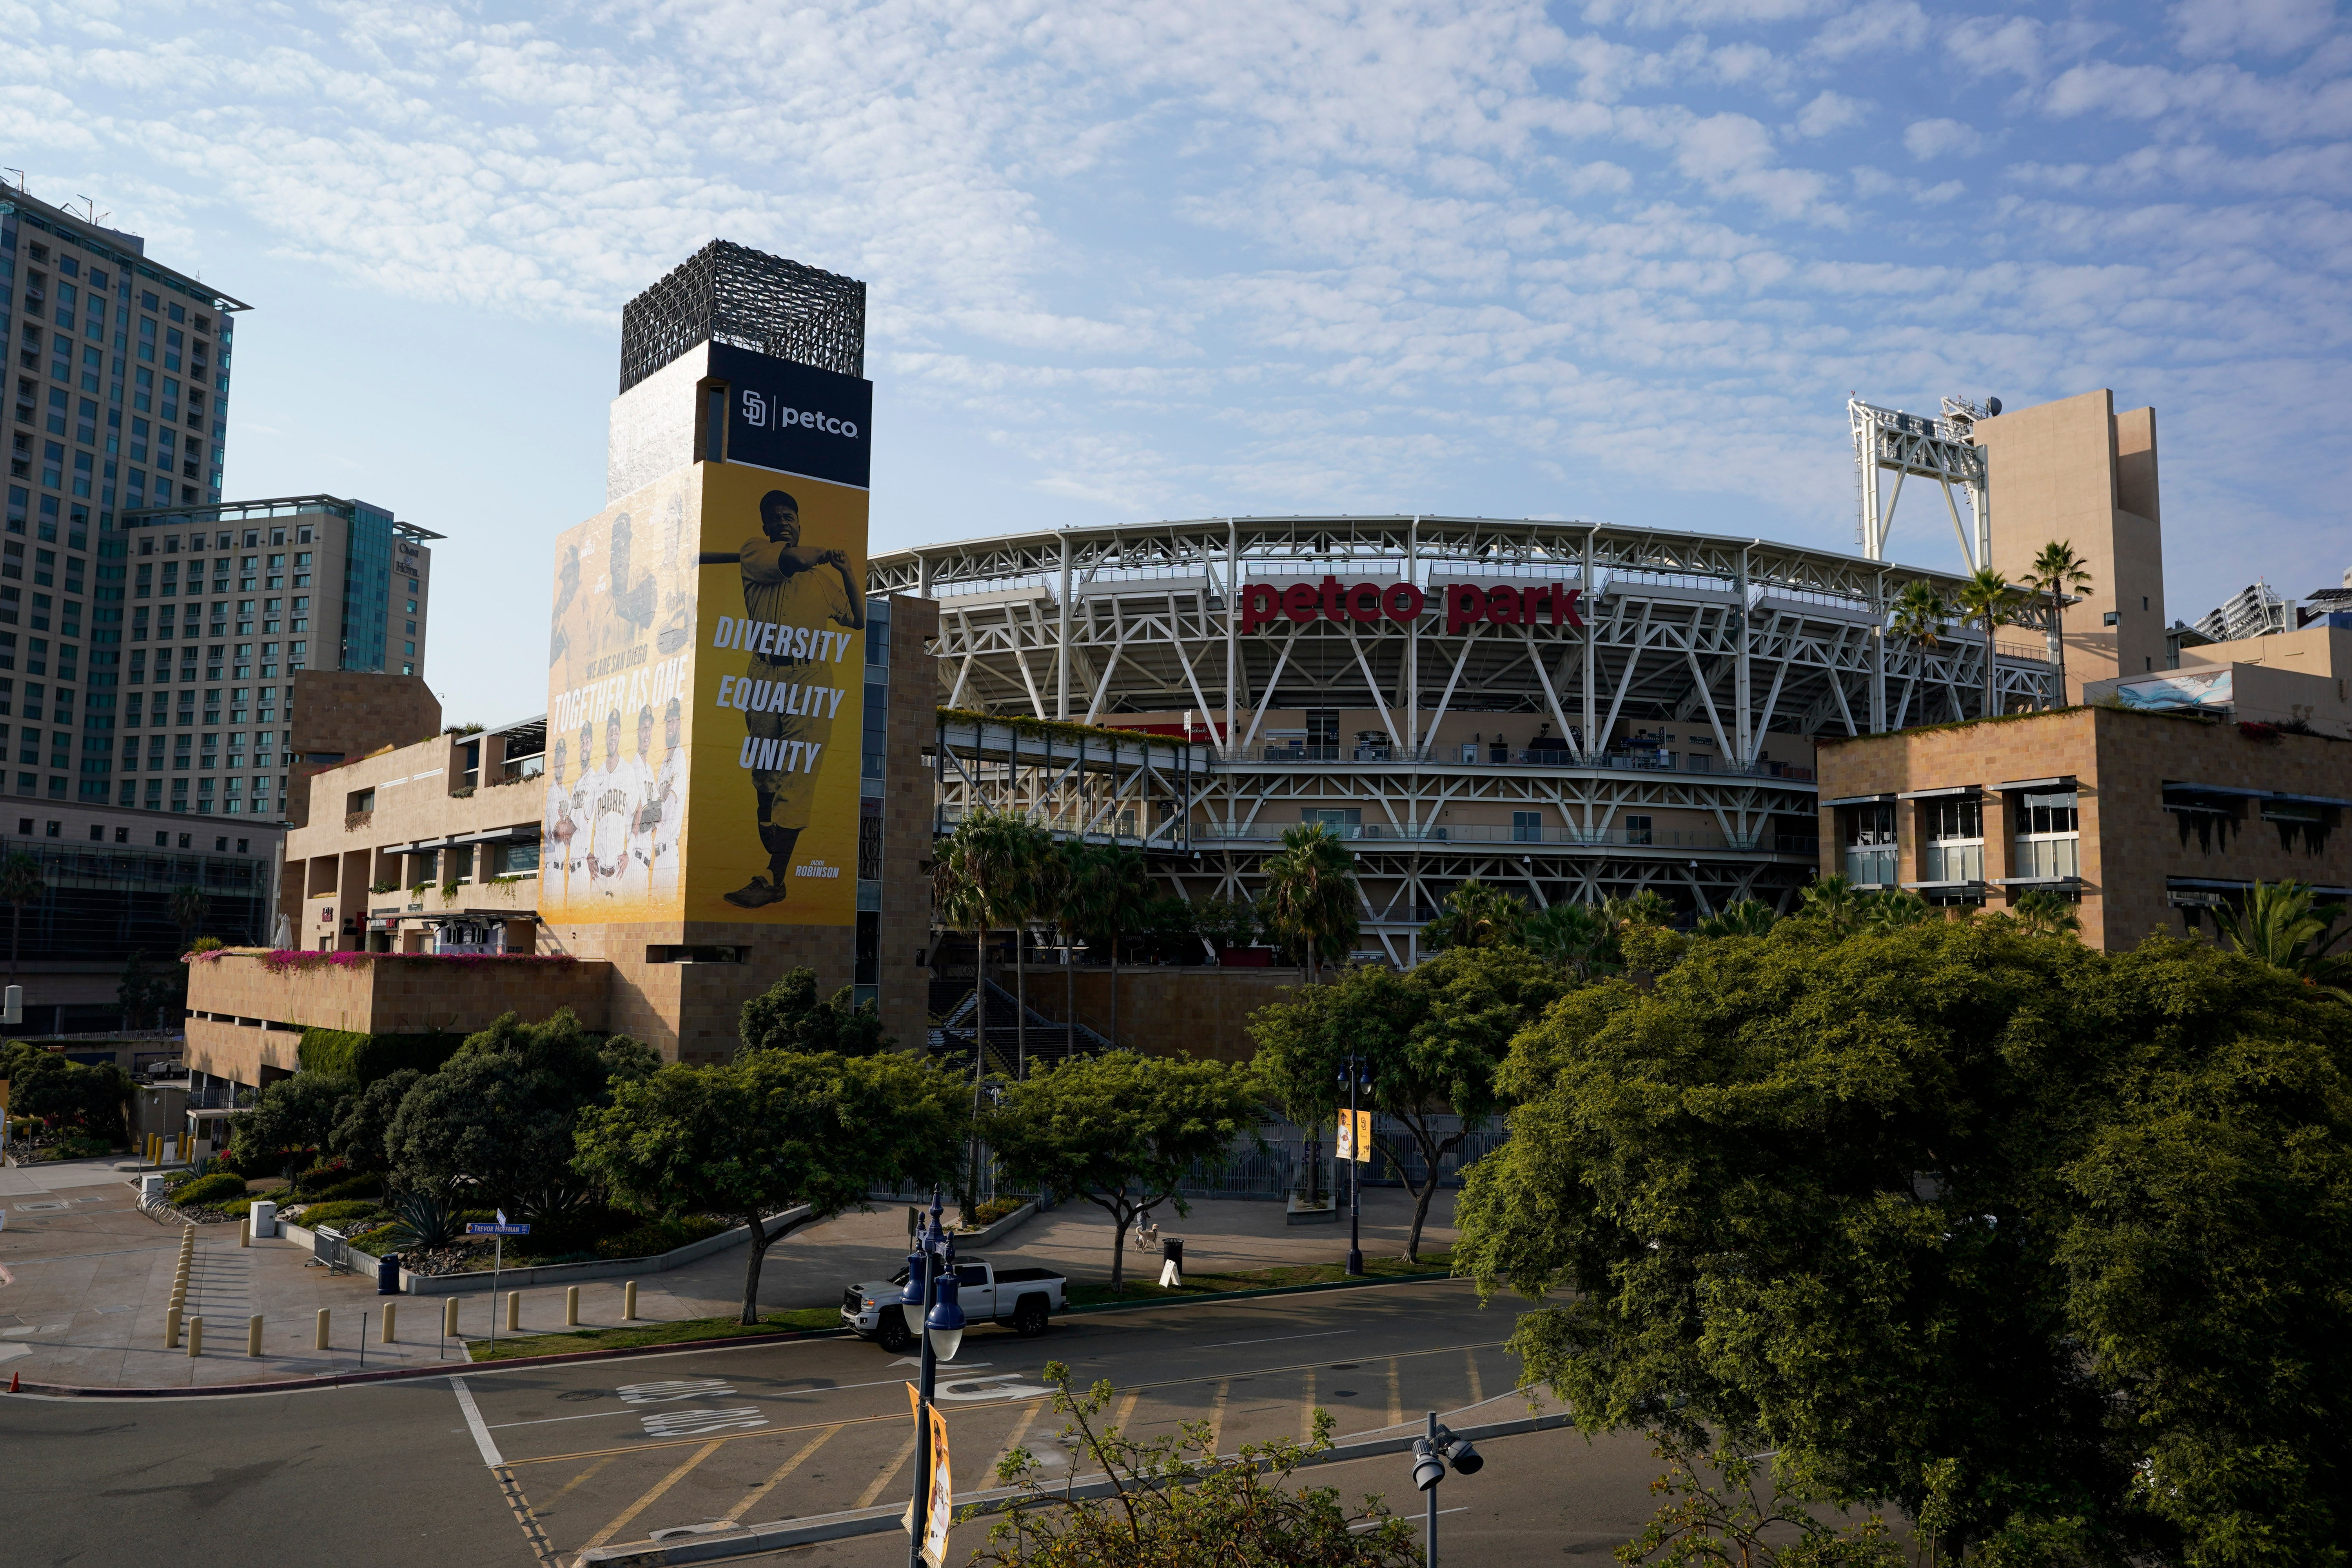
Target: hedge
<point>337,1214</point>
<point>209,1189</point>
<point>367,1057</point>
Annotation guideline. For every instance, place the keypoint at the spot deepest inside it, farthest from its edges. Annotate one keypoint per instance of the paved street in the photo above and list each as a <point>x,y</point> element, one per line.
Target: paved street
<point>569,1456</point>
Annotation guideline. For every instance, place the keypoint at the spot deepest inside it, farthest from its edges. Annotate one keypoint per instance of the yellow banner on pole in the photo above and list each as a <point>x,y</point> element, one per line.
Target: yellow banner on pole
<point>1355,1140</point>
<point>940,1493</point>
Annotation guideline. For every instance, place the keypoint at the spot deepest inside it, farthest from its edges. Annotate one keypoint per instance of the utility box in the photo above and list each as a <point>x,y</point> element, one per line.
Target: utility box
<point>262,1212</point>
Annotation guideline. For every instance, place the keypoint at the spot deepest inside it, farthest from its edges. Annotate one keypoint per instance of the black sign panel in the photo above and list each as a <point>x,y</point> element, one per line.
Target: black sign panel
<point>796,418</point>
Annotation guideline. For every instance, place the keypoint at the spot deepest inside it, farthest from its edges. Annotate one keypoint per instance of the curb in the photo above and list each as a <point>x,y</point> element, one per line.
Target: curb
<point>449,1369</point>
<point>701,1544</point>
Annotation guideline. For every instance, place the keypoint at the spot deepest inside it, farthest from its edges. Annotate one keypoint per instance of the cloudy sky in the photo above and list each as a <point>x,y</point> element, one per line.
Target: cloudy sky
<point>1619,260</point>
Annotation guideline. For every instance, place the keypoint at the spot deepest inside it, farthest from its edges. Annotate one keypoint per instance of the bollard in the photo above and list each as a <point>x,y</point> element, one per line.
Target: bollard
<point>449,1318</point>
<point>196,1337</point>
<point>245,1231</point>
<point>571,1306</point>
<point>514,1310</point>
<point>172,1326</point>
<point>253,1335</point>
<point>386,1337</point>
<point>629,1302</point>
<point>320,1342</point>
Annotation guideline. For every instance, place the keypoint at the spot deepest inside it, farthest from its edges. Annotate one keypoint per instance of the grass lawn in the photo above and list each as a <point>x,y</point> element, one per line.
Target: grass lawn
<point>692,1329</point>
<point>1081,1295</point>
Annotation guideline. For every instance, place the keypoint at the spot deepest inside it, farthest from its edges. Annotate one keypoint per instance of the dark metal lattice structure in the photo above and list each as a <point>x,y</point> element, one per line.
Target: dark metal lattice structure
<point>729,293</point>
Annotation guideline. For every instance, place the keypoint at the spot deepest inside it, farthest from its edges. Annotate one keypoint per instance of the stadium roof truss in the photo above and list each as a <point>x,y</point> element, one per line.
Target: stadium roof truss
<point>1739,638</point>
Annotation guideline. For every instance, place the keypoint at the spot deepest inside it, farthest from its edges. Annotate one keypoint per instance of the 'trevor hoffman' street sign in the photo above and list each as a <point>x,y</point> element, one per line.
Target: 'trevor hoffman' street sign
<point>1551,604</point>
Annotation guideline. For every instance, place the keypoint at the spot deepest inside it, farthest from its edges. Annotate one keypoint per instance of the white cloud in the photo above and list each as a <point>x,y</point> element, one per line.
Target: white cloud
<point>2252,27</point>
<point>1926,139</point>
<point>1830,111</point>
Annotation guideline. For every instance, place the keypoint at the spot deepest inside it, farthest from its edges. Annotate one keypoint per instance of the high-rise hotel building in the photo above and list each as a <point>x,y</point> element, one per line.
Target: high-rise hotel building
<point>119,371</point>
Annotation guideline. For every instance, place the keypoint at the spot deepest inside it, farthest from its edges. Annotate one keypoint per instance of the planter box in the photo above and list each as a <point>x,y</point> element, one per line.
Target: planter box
<point>561,1273</point>
<point>988,1235</point>
<point>1296,1211</point>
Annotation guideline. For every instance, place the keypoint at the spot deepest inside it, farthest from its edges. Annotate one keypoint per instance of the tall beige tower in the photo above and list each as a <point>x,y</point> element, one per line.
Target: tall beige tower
<point>2078,471</point>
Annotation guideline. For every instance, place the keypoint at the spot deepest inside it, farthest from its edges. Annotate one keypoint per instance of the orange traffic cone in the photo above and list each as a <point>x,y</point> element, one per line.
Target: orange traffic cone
<point>15,1381</point>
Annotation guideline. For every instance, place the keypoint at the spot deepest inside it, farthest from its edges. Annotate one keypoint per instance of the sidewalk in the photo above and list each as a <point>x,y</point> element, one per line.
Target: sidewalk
<point>84,1283</point>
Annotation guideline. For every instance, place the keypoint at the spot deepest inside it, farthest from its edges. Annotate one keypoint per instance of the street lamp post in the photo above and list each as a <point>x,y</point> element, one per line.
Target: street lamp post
<point>929,1305</point>
<point>1354,1078</point>
<point>1430,1457</point>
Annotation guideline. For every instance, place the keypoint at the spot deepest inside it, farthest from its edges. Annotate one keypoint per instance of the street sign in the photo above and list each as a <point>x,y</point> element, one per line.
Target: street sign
<point>483,1227</point>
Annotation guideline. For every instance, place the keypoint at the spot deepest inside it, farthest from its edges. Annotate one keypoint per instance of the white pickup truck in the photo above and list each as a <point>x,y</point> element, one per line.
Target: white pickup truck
<point>1022,1299</point>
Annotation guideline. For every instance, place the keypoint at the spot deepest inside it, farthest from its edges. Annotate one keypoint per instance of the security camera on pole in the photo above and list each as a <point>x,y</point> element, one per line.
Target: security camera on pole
<point>1430,1457</point>
<point>929,1304</point>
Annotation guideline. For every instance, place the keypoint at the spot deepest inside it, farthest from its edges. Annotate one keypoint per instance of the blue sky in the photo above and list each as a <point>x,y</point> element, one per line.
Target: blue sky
<point>1621,260</point>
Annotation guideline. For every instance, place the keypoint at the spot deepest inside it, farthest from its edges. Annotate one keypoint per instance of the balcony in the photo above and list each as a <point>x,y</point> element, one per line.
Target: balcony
<point>1467,756</point>
<point>1706,839</point>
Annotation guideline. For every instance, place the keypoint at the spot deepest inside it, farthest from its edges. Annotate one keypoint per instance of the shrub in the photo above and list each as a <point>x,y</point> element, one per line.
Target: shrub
<point>81,1146</point>
<point>367,1057</point>
<point>361,1187</point>
<point>313,1183</point>
<point>995,1209</point>
<point>340,1214</point>
<point>658,1236</point>
<point>422,1219</point>
<point>208,1189</point>
<point>375,1243</point>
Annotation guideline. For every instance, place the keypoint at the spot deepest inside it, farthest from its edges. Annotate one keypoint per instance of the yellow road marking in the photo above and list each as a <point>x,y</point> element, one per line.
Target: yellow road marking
<point>1477,1389</point>
<point>1019,1430</point>
<point>786,1469</point>
<point>586,1473</point>
<point>1307,1417</point>
<point>1217,1417</point>
<point>650,1497</point>
<point>969,1410</point>
<point>1126,1409</point>
<point>520,1505</point>
<point>897,1462</point>
<point>1396,1399</point>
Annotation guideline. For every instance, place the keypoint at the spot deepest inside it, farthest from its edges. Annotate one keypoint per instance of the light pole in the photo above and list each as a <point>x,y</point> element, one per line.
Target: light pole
<point>1353,1077</point>
<point>1431,1456</point>
<point>929,1305</point>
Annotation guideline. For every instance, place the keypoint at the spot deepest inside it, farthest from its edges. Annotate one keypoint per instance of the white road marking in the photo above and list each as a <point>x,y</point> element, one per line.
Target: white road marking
<point>999,1386</point>
<point>694,1423</point>
<point>680,1388</point>
<point>1224,1344</point>
<point>474,1424</point>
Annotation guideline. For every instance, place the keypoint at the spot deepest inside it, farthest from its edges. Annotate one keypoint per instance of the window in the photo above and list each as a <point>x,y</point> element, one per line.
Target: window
<point>1952,831</point>
<point>56,829</point>
<point>1526,827</point>
<point>1867,831</point>
<point>1638,830</point>
<point>97,834</point>
<point>2048,843</point>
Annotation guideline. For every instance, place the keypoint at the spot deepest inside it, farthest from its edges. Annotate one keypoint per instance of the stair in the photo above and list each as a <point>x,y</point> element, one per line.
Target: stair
<point>955,1008</point>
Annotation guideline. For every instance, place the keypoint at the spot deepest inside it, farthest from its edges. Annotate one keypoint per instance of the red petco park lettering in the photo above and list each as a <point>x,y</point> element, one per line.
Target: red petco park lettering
<point>1552,604</point>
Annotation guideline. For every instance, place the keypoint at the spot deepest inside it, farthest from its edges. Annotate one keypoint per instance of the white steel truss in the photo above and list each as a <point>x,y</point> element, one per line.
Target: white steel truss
<point>1941,450</point>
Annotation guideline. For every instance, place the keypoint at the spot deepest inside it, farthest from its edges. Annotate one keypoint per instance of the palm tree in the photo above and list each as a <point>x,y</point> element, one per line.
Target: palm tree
<point>2285,926</point>
<point>1475,915</point>
<point>1059,881</point>
<point>1987,596</point>
<point>2058,572</point>
<point>1833,900</point>
<point>1576,937</point>
<point>1646,907</point>
<point>2041,912</point>
<point>1918,618</point>
<point>973,876</point>
<point>1748,917</point>
<point>1310,893</point>
<point>21,885</point>
<point>187,912</point>
<point>1122,891</point>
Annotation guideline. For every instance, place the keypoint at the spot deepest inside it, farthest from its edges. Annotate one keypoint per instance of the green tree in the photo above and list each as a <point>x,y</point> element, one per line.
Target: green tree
<point>1065,878</point>
<point>1119,1131</point>
<point>1833,901</point>
<point>360,1130</point>
<point>1121,893</point>
<point>1748,917</point>
<point>788,1016</point>
<point>1646,907</point>
<point>2060,573</point>
<point>292,1116</point>
<point>501,1111</point>
<point>1177,1502</point>
<point>1987,598</point>
<point>1311,901</point>
<point>149,999</point>
<point>187,909</point>
<point>1576,939</point>
<point>21,887</point>
<point>2284,925</point>
<point>1226,923</point>
<point>1954,1218</point>
<point>1475,915</point>
<point>978,872</point>
<point>2041,912</point>
<point>1430,1038</point>
<point>43,1083</point>
<point>770,1130</point>
<point>1919,614</point>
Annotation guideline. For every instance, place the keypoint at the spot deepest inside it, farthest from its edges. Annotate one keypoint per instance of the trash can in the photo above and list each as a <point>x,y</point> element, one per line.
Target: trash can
<point>264,1213</point>
<point>1172,1251</point>
<point>387,1274</point>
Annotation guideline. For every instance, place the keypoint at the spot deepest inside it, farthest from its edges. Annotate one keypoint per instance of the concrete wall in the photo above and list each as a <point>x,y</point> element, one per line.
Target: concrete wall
<point>2130,844</point>
<point>2075,470</point>
<point>907,816</point>
<point>344,714</point>
<point>1196,1012</point>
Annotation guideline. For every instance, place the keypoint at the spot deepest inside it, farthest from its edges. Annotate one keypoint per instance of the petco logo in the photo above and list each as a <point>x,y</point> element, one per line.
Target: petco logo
<point>758,413</point>
<point>818,868</point>
<point>1552,604</point>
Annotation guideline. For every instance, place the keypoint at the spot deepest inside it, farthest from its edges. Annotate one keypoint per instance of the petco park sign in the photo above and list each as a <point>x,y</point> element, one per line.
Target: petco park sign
<point>1500,604</point>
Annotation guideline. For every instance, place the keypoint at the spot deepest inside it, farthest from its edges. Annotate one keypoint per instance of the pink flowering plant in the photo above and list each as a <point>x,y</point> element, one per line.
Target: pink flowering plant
<point>286,959</point>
